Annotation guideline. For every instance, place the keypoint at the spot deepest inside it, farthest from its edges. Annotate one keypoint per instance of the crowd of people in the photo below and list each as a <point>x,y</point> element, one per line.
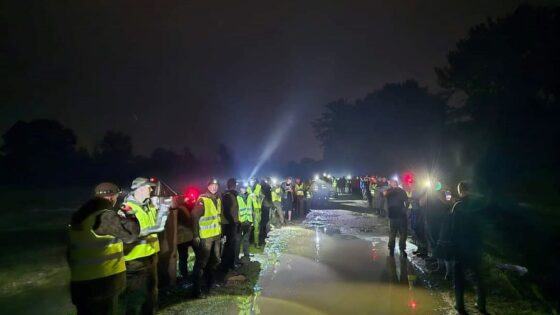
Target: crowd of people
<point>447,228</point>
<point>113,248</point>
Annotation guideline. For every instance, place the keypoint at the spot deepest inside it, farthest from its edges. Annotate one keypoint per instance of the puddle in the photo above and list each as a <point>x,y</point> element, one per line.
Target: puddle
<point>321,270</point>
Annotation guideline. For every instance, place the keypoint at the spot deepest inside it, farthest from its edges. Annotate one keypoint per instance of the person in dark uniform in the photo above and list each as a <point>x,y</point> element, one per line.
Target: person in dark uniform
<point>288,200</point>
<point>95,252</point>
<point>185,240</point>
<point>207,233</point>
<point>230,226</point>
<point>396,204</point>
<point>467,237</point>
<point>267,205</point>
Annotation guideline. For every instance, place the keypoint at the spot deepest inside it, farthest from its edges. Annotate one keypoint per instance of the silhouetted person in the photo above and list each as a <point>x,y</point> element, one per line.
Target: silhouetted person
<point>266,206</point>
<point>396,203</point>
<point>467,238</point>
<point>230,225</point>
<point>288,200</point>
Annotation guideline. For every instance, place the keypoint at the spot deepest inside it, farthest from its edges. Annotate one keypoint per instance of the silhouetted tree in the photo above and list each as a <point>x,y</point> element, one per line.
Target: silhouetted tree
<point>508,69</point>
<point>113,156</point>
<point>40,152</point>
<point>395,127</point>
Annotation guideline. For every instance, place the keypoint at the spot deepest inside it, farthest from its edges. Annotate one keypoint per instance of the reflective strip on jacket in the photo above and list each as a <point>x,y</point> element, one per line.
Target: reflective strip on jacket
<point>92,256</point>
<point>245,212</point>
<point>149,244</point>
<point>209,224</point>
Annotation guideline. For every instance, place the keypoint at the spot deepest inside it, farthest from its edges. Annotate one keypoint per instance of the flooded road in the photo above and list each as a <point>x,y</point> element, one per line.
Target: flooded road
<point>337,262</point>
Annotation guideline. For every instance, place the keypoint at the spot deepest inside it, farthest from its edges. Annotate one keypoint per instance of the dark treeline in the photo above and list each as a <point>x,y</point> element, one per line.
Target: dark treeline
<point>44,153</point>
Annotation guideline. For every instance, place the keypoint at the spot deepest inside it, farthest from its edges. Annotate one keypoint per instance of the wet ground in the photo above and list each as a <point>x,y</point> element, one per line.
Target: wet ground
<point>336,262</point>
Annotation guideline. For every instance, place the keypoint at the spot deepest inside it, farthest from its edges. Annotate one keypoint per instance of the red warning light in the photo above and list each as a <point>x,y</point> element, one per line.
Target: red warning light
<point>191,196</point>
<point>412,304</point>
<point>408,178</point>
<point>153,179</point>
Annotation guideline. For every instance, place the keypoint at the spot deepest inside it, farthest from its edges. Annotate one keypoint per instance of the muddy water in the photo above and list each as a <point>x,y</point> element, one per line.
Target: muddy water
<point>318,273</point>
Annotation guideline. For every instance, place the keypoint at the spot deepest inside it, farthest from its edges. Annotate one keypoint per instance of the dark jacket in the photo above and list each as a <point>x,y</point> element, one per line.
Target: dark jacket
<point>267,194</point>
<point>108,222</point>
<point>396,200</point>
<point>230,213</point>
<point>184,225</point>
<point>467,228</point>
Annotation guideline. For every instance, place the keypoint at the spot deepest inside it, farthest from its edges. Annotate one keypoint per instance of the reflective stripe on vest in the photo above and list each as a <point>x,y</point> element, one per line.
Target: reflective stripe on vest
<point>93,256</point>
<point>245,212</point>
<point>209,223</point>
<point>147,245</point>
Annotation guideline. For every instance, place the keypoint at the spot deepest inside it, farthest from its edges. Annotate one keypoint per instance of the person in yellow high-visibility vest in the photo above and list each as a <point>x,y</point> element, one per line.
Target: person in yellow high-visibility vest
<point>245,219</point>
<point>141,294</point>
<point>207,233</point>
<point>299,189</point>
<point>95,253</point>
<point>255,194</point>
<point>277,215</point>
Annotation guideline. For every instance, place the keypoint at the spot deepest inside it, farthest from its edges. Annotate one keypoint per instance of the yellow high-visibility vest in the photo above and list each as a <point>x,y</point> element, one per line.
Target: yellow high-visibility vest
<point>147,245</point>
<point>300,190</point>
<point>209,224</point>
<point>245,212</point>
<point>277,194</point>
<point>93,256</point>
<point>257,202</point>
<point>372,189</point>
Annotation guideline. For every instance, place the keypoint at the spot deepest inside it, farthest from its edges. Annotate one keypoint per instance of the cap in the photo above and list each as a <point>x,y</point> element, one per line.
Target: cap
<point>106,189</point>
<point>212,181</point>
<point>141,181</point>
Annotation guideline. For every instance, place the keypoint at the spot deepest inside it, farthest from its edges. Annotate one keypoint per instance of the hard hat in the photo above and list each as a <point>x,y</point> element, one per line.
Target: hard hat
<point>141,181</point>
<point>212,181</point>
<point>106,189</point>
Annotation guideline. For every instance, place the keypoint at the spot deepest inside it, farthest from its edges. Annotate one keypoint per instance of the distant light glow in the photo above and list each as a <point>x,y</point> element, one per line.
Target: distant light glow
<point>317,177</point>
<point>278,135</point>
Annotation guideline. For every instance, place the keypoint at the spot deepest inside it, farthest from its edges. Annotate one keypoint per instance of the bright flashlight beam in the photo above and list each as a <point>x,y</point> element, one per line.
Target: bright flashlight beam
<point>273,142</point>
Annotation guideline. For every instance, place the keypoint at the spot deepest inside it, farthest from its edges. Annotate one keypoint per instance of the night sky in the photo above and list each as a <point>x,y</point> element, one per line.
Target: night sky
<point>197,73</point>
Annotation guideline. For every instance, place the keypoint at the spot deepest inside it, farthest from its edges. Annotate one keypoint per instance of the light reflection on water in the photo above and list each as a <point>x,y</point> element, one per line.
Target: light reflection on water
<point>306,271</point>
